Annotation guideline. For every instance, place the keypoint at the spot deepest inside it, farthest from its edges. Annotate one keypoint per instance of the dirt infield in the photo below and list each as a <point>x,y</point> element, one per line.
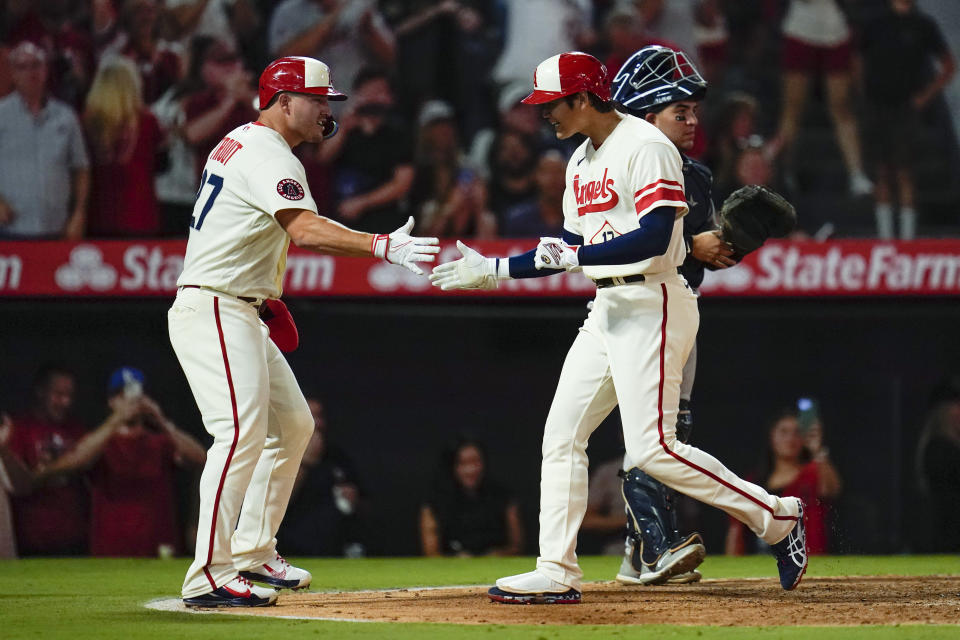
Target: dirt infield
<point>818,601</point>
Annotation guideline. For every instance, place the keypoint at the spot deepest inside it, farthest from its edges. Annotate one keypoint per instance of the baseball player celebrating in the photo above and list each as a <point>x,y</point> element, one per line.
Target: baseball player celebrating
<point>253,200</point>
<point>623,210</point>
<point>663,87</point>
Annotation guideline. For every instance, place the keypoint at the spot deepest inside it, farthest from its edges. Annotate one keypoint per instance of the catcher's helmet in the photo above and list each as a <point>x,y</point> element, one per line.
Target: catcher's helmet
<point>297,75</point>
<point>656,75</point>
<point>566,74</point>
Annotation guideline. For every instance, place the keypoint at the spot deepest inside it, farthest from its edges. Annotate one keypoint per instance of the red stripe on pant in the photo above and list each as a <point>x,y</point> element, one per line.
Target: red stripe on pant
<point>233,446</point>
<point>663,351</point>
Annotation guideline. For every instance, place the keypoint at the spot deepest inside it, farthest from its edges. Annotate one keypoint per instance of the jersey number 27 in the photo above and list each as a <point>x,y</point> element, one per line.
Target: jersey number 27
<point>214,181</point>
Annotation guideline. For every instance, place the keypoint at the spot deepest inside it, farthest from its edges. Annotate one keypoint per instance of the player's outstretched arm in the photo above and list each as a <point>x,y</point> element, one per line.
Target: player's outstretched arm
<point>401,248</point>
<point>309,231</point>
<point>476,271</point>
<point>472,271</point>
<point>651,238</point>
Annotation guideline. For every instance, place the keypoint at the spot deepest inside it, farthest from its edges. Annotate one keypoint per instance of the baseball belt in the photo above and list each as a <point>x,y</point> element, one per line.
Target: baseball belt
<point>603,283</point>
<point>247,299</point>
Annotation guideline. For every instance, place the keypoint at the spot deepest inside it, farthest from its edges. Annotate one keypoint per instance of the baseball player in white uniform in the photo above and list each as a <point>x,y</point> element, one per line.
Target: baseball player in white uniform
<point>252,202</point>
<point>623,210</point>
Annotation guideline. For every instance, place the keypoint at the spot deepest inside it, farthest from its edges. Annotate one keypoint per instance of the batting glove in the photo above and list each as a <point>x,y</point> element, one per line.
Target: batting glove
<point>401,248</point>
<point>472,271</point>
<point>554,253</point>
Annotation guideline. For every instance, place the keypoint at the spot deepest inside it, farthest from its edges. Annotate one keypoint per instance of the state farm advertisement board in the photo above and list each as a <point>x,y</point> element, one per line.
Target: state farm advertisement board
<point>791,269</point>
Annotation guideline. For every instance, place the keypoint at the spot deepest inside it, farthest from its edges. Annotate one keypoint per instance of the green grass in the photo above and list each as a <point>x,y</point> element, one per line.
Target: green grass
<point>76,599</point>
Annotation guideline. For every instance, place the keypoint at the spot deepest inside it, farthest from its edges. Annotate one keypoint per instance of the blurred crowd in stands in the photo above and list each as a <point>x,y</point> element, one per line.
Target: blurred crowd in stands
<point>109,107</point>
<point>128,486</point>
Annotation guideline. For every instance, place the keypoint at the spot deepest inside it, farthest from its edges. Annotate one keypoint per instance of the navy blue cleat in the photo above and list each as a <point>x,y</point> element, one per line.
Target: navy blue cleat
<point>791,553</point>
<point>236,593</point>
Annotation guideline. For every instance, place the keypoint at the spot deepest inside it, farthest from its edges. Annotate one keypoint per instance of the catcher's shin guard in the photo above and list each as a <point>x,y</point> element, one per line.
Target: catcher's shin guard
<point>651,518</point>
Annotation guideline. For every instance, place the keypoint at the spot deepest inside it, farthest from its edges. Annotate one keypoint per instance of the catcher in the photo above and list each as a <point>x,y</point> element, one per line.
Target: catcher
<point>661,86</point>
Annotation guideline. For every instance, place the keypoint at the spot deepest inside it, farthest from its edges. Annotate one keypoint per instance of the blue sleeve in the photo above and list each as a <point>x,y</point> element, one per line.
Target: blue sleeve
<point>572,239</point>
<point>651,239</point>
<point>521,266</point>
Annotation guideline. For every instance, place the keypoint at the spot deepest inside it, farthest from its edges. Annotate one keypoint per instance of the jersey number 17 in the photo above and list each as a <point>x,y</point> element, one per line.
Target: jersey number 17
<point>214,181</point>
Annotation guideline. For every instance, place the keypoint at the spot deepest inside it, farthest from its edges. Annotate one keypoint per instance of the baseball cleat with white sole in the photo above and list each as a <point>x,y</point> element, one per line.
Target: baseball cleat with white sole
<point>279,574</point>
<point>532,588</point>
<point>686,578</point>
<point>680,560</point>
<point>791,553</point>
<point>236,593</point>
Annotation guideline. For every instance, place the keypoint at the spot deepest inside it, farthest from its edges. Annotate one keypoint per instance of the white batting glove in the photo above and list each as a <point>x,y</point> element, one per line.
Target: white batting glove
<point>401,248</point>
<point>554,253</point>
<point>472,271</point>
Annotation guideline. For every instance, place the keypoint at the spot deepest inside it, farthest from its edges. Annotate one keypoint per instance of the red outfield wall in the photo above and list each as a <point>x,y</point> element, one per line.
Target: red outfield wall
<point>790,269</point>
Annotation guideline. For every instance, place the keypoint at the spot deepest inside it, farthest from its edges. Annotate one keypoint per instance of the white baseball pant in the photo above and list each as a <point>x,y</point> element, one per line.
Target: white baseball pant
<point>260,422</point>
<point>631,350</point>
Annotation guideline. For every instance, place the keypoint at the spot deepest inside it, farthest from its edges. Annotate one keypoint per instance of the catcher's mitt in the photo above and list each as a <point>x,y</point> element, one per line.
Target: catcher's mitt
<point>753,213</point>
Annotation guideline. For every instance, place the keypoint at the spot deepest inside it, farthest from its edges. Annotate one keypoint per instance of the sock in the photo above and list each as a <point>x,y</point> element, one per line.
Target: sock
<point>884,215</point>
<point>908,223</point>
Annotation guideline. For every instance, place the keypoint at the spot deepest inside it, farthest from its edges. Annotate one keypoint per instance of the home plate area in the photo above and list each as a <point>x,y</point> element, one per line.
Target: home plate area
<point>847,601</point>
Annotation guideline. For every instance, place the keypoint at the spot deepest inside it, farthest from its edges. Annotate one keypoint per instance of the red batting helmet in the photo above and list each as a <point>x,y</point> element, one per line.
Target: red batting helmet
<point>297,75</point>
<point>566,74</point>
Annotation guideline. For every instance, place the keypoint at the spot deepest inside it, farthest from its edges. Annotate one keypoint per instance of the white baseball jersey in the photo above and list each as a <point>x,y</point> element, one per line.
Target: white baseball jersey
<point>630,353</point>
<point>236,245</point>
<point>246,392</point>
<point>609,189</point>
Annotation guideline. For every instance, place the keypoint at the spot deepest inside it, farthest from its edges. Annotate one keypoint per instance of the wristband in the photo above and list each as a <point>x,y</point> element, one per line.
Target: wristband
<point>379,245</point>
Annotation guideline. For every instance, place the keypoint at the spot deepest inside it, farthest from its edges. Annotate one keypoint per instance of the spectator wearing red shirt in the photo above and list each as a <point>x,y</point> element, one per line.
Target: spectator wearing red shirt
<point>220,97</point>
<point>54,518</point>
<point>797,464</point>
<point>132,458</point>
<point>127,148</point>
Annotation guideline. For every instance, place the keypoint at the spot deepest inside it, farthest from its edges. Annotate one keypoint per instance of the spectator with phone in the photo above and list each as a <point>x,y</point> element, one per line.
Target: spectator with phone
<point>796,463</point>
<point>132,457</point>
<point>447,197</point>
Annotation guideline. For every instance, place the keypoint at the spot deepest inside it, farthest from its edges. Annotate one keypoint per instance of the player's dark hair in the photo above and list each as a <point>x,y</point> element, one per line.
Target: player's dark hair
<point>603,106</point>
<point>273,100</point>
<point>641,113</point>
<point>657,108</point>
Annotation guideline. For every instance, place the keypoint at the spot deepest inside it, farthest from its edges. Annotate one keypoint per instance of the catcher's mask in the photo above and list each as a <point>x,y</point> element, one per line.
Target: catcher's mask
<point>656,75</point>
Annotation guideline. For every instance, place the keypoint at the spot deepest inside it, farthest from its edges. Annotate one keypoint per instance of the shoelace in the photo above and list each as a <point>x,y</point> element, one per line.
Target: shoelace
<point>244,581</point>
<point>282,561</point>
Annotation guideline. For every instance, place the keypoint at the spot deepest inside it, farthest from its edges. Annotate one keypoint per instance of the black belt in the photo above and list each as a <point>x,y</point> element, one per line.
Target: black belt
<point>242,298</point>
<point>603,283</point>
